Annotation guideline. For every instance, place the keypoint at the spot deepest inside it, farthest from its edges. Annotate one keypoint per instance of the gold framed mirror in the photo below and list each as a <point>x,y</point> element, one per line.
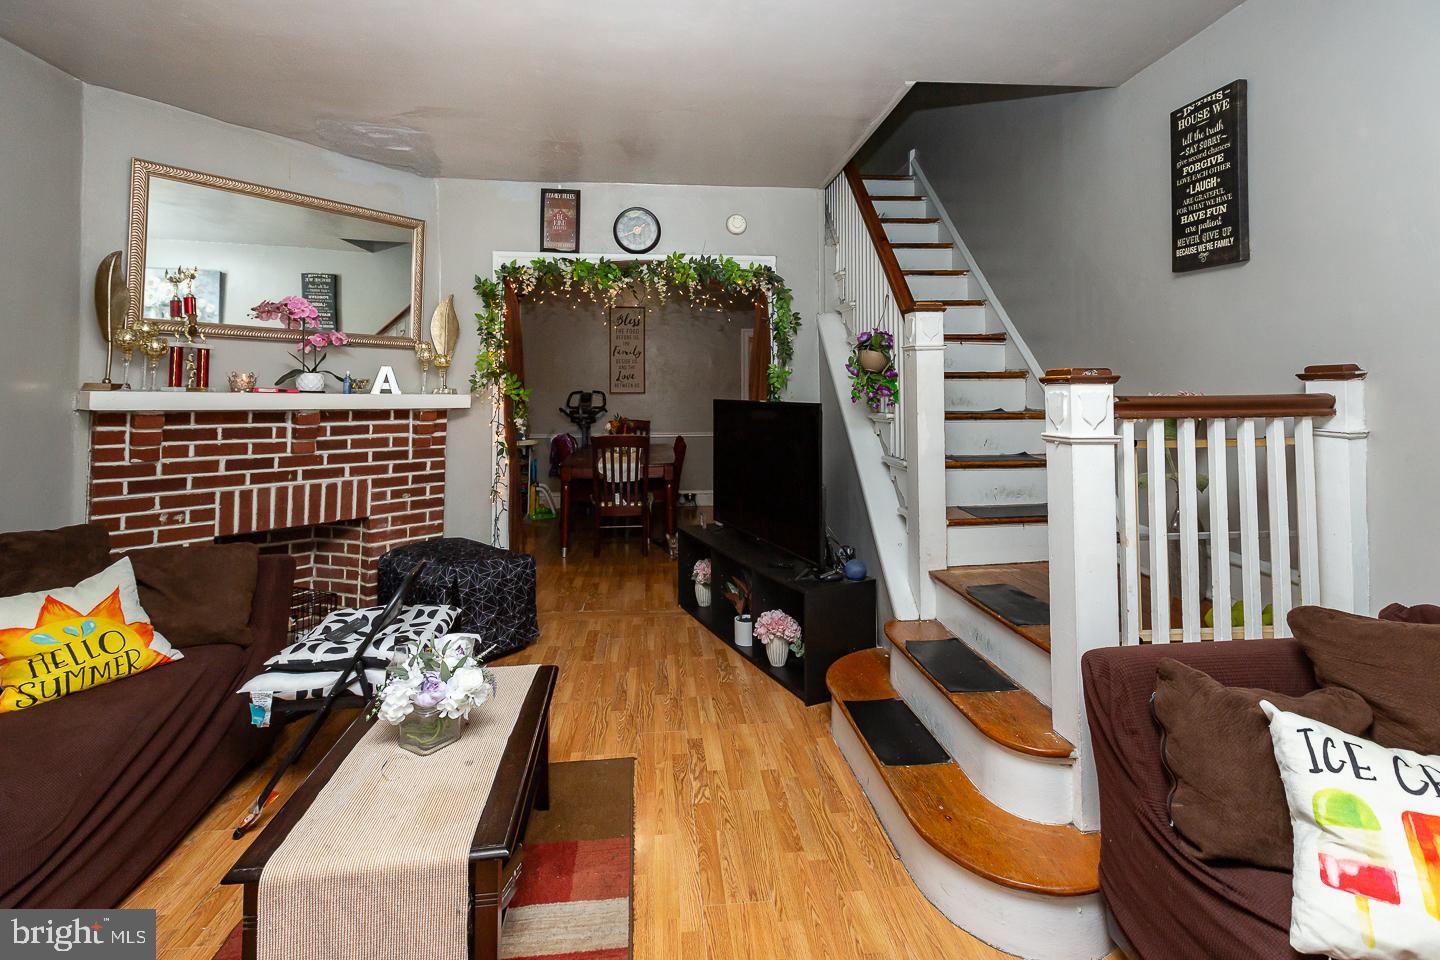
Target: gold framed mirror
<point>237,243</point>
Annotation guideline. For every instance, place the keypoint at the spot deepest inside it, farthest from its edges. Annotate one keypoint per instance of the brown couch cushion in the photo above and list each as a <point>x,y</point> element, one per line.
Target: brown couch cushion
<point>1395,666</point>
<point>199,594</point>
<point>33,560</point>
<point>1228,799</point>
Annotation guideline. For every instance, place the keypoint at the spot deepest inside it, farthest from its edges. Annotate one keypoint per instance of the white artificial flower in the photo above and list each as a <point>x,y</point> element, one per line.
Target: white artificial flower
<point>397,702</point>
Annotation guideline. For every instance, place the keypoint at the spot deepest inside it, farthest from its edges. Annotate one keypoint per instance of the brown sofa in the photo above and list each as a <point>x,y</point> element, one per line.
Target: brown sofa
<point>97,787</point>
<point>1165,903</point>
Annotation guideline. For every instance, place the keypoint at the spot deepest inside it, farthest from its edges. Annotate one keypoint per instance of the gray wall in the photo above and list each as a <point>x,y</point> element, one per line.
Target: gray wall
<point>1064,201</point>
<point>40,220</point>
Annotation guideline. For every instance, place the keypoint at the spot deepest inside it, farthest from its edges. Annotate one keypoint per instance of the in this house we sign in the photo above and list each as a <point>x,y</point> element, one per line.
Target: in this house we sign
<point>1210,216</point>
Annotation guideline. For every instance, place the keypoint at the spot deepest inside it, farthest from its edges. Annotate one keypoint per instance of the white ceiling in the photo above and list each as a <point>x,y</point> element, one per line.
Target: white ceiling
<point>743,92</point>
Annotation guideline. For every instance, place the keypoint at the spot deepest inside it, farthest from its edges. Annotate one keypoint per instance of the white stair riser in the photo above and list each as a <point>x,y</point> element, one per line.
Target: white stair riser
<point>913,232</point>
<point>966,320</point>
<point>975,356</point>
<point>996,543</point>
<point>1036,788</point>
<point>1019,923</point>
<point>926,258</point>
<point>993,436</point>
<point>1020,659</point>
<point>890,188</point>
<point>1012,485</point>
<point>939,288</point>
<point>909,207</point>
<point>983,394</point>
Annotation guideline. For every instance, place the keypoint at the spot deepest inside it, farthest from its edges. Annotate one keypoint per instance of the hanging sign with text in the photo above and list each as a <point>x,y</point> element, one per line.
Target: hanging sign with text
<point>627,349</point>
<point>1210,216</point>
<point>323,292</point>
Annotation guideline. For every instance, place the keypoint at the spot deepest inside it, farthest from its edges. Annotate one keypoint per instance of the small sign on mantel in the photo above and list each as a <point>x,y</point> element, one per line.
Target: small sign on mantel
<point>1210,214</point>
<point>627,349</point>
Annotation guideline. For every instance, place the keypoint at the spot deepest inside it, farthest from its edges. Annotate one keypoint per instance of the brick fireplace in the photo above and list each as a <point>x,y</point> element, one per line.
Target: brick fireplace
<point>337,488</point>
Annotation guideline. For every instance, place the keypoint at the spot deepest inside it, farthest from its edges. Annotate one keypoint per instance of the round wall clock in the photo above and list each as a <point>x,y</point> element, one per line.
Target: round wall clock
<point>735,223</point>
<point>637,230</point>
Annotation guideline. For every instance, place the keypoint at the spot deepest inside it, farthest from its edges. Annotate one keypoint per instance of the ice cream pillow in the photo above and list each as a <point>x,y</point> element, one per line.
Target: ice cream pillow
<point>1366,820</point>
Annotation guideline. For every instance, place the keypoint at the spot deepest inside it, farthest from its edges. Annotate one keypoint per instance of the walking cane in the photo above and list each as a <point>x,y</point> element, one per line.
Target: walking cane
<point>387,617</point>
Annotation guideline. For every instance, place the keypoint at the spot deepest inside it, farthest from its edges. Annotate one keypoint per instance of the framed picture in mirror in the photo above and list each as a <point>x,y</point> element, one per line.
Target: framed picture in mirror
<point>249,243</point>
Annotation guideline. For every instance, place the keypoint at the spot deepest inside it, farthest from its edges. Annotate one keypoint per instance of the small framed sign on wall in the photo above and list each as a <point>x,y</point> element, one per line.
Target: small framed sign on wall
<point>560,221</point>
<point>1209,195</point>
<point>627,349</point>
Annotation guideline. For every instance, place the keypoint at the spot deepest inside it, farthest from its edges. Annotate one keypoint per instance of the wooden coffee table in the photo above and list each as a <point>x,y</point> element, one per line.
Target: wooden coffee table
<point>522,782</point>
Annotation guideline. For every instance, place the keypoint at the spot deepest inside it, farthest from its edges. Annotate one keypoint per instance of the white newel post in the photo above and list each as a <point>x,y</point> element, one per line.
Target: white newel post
<point>923,409</point>
<point>1080,445</point>
<point>1343,530</point>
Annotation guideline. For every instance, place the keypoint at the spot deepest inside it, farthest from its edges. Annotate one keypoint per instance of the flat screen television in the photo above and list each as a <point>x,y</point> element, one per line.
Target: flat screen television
<point>768,479</point>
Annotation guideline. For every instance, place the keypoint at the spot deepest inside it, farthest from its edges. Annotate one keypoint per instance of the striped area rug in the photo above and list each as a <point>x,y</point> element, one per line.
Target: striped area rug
<point>574,900</point>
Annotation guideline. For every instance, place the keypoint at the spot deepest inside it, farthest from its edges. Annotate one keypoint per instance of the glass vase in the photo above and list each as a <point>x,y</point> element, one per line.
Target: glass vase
<point>426,730</point>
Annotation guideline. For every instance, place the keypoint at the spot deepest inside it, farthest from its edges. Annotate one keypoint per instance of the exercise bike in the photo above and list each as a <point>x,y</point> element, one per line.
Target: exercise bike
<point>581,409</point>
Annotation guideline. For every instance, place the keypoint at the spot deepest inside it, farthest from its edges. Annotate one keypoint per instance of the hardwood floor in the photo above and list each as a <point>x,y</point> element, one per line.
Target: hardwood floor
<point>752,838</point>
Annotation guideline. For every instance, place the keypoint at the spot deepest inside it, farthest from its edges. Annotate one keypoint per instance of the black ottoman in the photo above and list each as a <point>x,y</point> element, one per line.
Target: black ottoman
<point>494,588</point>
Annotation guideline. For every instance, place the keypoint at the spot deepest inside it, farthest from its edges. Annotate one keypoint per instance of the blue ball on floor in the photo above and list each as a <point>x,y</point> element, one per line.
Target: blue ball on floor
<point>855,570</point>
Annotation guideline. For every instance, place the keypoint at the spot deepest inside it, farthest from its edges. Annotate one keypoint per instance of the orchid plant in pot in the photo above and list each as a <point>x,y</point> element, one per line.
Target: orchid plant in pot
<point>300,315</point>
<point>701,575</point>
<point>429,691</point>
<point>737,591</point>
<point>873,377</point>
<point>781,635</point>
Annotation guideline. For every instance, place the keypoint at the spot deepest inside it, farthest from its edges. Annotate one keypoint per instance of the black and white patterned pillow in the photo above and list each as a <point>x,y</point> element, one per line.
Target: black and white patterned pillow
<point>316,652</point>
<point>297,684</point>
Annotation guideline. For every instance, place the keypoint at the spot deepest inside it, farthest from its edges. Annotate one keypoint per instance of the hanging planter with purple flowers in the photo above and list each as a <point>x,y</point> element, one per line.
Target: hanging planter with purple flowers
<point>873,377</point>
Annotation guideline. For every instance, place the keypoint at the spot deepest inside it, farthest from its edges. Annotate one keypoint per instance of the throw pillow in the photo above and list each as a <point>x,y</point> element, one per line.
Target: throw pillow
<point>1395,666</point>
<point>199,594</point>
<point>316,684</point>
<point>1367,842</point>
<point>57,642</point>
<point>1226,798</point>
<point>43,559</point>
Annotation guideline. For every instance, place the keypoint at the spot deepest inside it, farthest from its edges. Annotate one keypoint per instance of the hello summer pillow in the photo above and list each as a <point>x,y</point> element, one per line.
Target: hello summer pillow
<point>1366,820</point>
<point>57,642</point>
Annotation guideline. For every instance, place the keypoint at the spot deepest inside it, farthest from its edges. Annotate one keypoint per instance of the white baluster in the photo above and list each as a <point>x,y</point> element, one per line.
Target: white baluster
<point>1305,510</point>
<point>1159,532</point>
<point>1218,465</point>
<point>1278,496</point>
<point>1249,528</point>
<point>1342,529</point>
<point>1189,532</point>
<point>1129,535</point>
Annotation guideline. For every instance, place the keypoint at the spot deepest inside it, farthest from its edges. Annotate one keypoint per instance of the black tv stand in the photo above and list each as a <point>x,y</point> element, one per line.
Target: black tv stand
<point>836,616</point>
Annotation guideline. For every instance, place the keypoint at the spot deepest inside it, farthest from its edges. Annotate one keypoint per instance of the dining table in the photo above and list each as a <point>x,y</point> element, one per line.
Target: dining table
<point>577,473</point>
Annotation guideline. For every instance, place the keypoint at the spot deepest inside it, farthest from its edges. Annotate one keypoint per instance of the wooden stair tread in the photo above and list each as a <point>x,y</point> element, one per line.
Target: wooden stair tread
<point>1033,578</point>
<point>996,515</point>
<point>986,374</point>
<point>898,245</point>
<point>994,414</point>
<point>1011,718</point>
<point>886,176</point>
<point>910,197</point>
<point>998,461</point>
<point>975,337</point>
<point>962,303</point>
<point>909,220</point>
<point>947,810</point>
<point>936,273</point>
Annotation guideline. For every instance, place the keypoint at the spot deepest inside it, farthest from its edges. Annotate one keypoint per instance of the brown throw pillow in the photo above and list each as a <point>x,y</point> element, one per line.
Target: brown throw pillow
<point>199,594</point>
<point>34,560</point>
<point>1395,666</point>
<point>1228,799</point>
<point>1420,613</point>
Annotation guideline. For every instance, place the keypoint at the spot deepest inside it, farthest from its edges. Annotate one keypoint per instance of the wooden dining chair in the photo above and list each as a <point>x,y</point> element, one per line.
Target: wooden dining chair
<point>619,492</point>
<point>637,428</point>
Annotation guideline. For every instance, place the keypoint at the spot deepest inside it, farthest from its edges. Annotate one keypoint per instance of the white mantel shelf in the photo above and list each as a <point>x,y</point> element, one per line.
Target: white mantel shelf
<point>145,401</point>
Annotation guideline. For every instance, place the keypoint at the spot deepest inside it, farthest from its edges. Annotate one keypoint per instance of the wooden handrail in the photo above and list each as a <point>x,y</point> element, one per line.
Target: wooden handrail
<point>1185,407</point>
<point>899,289</point>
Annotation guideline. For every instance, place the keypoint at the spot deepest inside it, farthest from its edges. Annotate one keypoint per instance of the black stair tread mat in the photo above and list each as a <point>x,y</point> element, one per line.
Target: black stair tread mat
<point>896,736</point>
<point>957,668</point>
<point>1013,604</point>
<point>1008,510</point>
<point>998,457</point>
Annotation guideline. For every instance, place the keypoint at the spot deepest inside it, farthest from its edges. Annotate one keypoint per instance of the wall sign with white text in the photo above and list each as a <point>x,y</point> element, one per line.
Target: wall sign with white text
<point>1209,196</point>
<point>627,349</point>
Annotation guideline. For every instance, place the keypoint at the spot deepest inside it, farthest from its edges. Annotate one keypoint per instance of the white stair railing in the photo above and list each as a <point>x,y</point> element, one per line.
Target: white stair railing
<point>1127,471</point>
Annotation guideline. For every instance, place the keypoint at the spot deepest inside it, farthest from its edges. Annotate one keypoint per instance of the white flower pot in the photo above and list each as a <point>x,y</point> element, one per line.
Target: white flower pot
<point>778,651</point>
<point>873,360</point>
<point>702,594</point>
<point>744,630</point>
<point>312,382</point>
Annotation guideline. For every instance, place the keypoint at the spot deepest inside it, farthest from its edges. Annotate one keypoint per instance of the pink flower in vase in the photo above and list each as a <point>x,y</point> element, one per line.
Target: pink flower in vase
<point>316,341</point>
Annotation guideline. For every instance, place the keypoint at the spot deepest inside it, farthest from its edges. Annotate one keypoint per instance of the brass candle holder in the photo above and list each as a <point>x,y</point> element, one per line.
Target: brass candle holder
<point>442,363</point>
<point>127,341</point>
<point>155,348</point>
<point>425,353</point>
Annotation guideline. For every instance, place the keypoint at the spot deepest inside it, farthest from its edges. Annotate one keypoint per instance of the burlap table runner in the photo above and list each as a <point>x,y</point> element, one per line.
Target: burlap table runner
<point>378,866</point>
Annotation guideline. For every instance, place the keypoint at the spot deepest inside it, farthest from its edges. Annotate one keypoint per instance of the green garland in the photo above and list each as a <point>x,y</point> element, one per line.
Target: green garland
<point>707,281</point>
